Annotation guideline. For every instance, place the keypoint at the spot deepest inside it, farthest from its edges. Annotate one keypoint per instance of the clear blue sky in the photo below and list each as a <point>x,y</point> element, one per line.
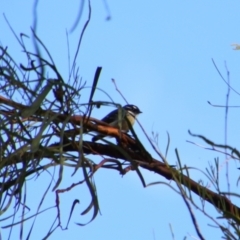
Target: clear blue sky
<point>159,52</point>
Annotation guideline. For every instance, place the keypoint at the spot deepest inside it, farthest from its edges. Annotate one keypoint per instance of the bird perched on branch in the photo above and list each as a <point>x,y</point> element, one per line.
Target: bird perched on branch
<point>120,118</point>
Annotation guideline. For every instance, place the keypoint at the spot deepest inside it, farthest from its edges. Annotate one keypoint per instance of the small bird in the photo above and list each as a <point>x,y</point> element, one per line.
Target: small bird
<point>129,114</point>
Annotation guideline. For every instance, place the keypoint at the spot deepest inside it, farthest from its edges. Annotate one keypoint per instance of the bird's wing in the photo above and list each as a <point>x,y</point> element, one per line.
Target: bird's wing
<point>111,117</point>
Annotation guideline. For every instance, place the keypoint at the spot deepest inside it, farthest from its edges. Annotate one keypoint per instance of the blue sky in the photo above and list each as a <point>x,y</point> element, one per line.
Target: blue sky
<point>160,54</point>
